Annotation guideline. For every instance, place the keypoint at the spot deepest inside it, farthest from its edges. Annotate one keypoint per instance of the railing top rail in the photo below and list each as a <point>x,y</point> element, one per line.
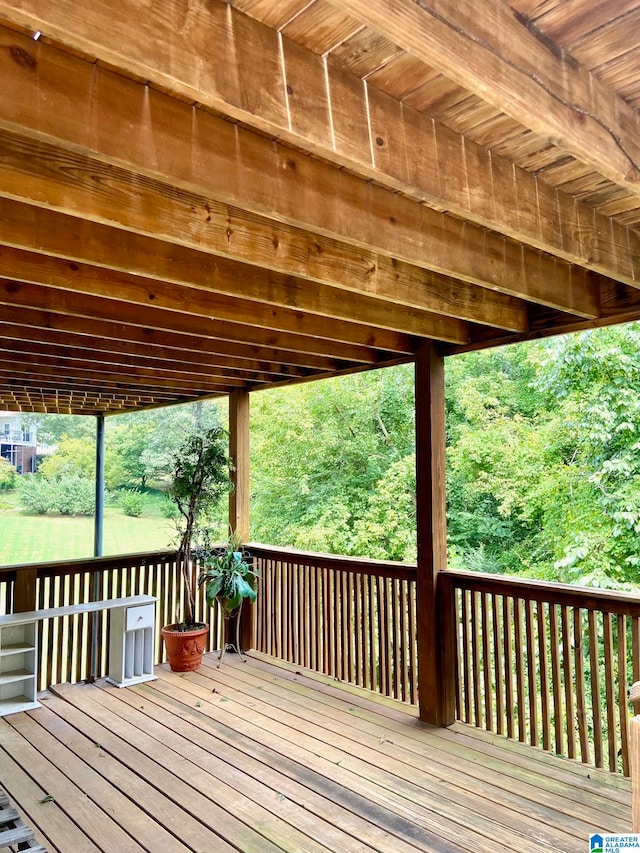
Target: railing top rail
<point>97,564</point>
<point>589,598</point>
<point>356,565</point>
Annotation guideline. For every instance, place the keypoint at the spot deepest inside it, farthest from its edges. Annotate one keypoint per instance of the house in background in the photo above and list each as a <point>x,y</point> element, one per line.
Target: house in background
<point>18,443</point>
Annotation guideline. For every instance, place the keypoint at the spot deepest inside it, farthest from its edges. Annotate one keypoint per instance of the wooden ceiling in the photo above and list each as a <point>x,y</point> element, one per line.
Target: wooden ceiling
<point>199,196</point>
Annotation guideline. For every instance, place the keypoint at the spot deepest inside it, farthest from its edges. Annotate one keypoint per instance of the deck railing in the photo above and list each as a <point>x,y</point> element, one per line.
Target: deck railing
<point>65,642</point>
<point>547,664</point>
<point>350,618</point>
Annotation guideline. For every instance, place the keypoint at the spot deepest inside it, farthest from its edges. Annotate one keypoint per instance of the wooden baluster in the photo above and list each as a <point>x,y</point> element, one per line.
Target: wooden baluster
<point>304,608</point>
<point>396,642</point>
<point>280,593</point>
<point>336,619</point>
<point>359,630</point>
<point>508,664</point>
<point>519,660</point>
<point>609,681</point>
<point>367,648</point>
<point>383,630</point>
<point>570,706</point>
<point>327,615</point>
<point>498,662</point>
<point>543,664</point>
<point>405,640</point>
<point>623,686</point>
<point>486,661</point>
<point>581,711</point>
<point>594,678</point>
<point>319,620</point>
<point>291,629</point>
<point>475,662</point>
<point>466,657</point>
<point>532,685</point>
<point>269,606</point>
<point>347,631</point>
<point>413,643</point>
<point>556,681</point>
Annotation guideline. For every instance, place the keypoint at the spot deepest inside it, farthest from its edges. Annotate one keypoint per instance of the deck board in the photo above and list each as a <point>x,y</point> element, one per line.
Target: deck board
<point>266,757</point>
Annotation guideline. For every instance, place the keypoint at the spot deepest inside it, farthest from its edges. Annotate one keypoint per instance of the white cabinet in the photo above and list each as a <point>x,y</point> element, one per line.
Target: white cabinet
<point>18,665</point>
<point>131,637</point>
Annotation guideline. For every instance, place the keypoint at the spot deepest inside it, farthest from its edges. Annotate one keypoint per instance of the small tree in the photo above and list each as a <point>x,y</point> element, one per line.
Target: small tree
<point>200,478</point>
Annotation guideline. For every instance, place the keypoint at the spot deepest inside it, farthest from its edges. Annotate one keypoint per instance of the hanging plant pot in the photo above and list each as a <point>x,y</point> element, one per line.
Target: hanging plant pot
<point>184,648</point>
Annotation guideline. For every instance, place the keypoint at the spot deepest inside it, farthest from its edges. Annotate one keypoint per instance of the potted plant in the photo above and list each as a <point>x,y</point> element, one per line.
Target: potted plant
<point>228,577</point>
<point>200,479</point>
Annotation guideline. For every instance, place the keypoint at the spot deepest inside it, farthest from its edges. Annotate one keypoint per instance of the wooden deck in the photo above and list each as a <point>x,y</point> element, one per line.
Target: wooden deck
<point>258,757</point>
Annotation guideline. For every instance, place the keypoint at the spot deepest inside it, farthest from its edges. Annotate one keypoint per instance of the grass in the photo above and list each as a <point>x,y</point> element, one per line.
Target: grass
<point>26,538</point>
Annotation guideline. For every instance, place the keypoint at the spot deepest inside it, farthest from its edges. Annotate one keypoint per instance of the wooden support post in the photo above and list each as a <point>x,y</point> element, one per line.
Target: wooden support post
<point>24,591</point>
<point>97,541</point>
<point>436,676</point>
<point>239,455</point>
<point>239,497</point>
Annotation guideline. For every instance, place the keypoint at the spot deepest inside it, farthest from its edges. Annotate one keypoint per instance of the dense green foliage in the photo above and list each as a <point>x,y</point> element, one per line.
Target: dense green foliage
<point>69,494</point>
<point>331,465</point>
<point>544,473</point>
<point>8,475</point>
<point>132,502</point>
<point>543,468</point>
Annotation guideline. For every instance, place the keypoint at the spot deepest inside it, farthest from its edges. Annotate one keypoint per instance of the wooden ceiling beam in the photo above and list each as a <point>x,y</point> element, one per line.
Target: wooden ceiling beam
<point>620,304</point>
<point>171,344</point>
<point>37,365</point>
<point>280,248</point>
<point>132,381</point>
<point>19,338</point>
<point>97,357</point>
<point>486,49</point>
<point>273,301</point>
<point>287,91</point>
<point>136,141</point>
<point>80,305</point>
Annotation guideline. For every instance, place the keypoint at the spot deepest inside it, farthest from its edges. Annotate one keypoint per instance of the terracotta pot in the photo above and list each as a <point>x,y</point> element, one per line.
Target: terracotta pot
<point>184,648</point>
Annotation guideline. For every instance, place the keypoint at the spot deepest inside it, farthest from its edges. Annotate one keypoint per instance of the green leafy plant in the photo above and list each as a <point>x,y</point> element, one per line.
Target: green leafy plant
<point>228,575</point>
<point>200,478</point>
<point>68,495</point>
<point>8,475</point>
<point>36,494</point>
<point>131,502</point>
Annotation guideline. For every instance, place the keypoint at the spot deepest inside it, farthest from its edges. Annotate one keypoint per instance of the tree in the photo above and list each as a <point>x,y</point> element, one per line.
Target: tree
<point>318,452</point>
<point>200,478</point>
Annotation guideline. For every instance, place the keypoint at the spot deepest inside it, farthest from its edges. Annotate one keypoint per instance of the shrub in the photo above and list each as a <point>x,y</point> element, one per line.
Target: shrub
<point>8,475</point>
<point>131,502</point>
<point>36,493</point>
<point>73,495</point>
<point>168,508</point>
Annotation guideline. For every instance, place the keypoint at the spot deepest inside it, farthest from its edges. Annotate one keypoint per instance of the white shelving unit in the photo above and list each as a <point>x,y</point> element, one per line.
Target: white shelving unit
<point>18,665</point>
<point>131,645</point>
<point>131,638</point>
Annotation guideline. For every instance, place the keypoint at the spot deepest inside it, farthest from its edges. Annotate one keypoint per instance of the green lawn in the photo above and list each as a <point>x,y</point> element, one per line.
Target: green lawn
<point>43,538</point>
